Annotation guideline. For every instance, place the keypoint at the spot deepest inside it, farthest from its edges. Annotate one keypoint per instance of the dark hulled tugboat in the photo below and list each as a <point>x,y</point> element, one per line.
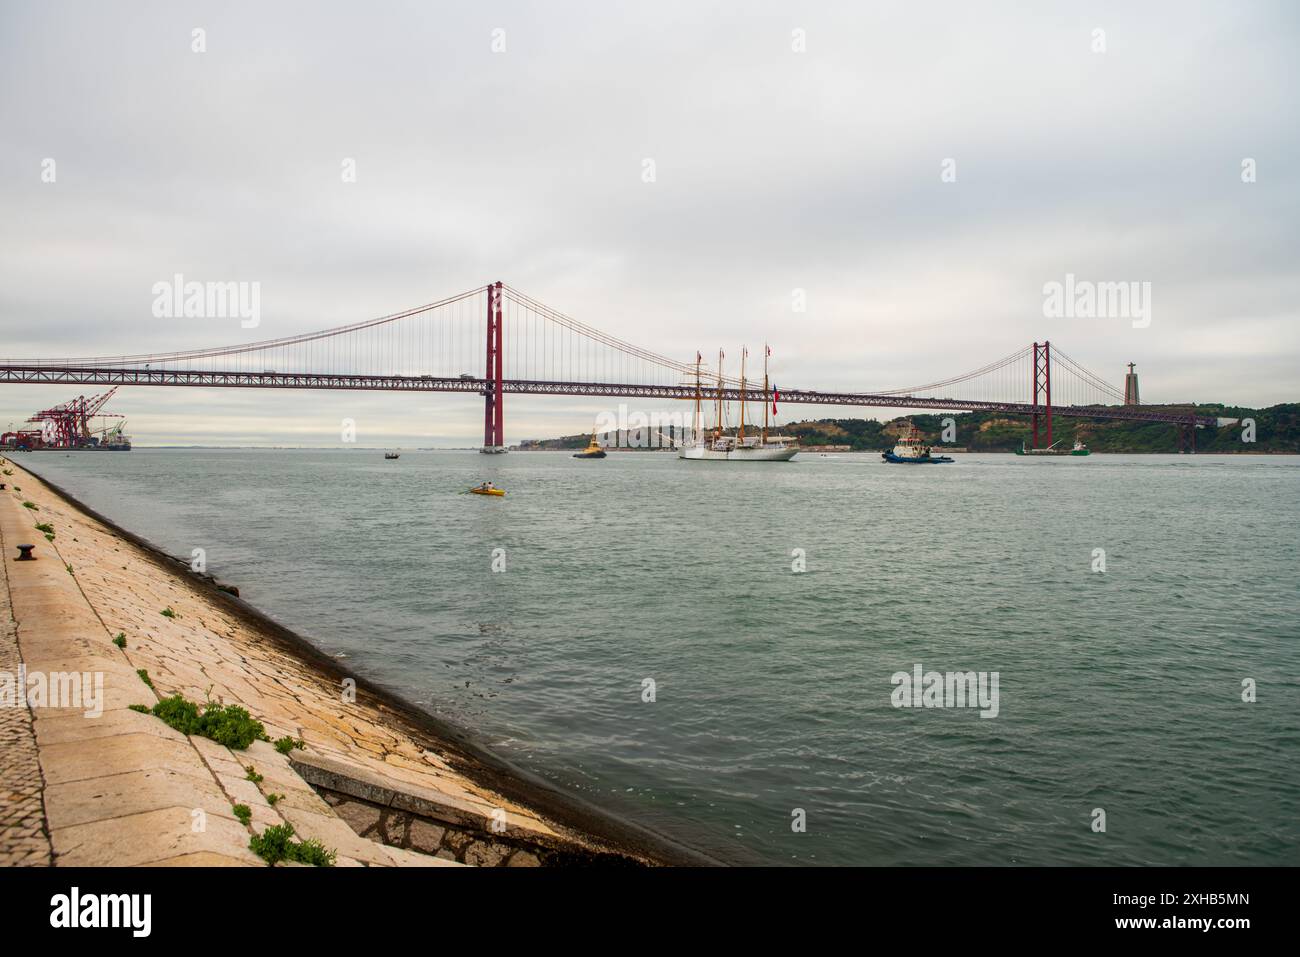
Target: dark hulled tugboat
<point>912,450</point>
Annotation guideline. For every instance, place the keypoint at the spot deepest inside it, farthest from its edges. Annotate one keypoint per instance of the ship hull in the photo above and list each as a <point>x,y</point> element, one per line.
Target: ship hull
<point>1044,453</point>
<point>913,460</point>
<point>699,453</point>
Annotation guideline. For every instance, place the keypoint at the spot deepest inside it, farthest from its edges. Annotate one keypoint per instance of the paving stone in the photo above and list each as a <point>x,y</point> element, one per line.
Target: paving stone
<point>210,750</point>
<point>200,859</point>
<point>77,760</point>
<point>132,792</point>
<point>59,730</point>
<point>304,800</point>
<point>241,790</point>
<point>148,838</point>
<point>405,858</point>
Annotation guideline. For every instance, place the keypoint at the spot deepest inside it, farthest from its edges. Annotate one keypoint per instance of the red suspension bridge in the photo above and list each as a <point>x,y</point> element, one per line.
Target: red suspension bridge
<point>523,346</point>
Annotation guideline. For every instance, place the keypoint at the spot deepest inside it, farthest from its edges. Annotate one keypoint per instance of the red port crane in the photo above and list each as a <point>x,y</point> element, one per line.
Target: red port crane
<point>67,425</point>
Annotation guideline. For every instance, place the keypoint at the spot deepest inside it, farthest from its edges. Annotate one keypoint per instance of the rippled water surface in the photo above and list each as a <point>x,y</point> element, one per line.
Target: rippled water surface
<point>1118,690</point>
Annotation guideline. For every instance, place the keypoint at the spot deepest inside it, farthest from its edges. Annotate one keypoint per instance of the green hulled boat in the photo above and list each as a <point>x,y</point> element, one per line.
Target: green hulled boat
<point>1079,449</point>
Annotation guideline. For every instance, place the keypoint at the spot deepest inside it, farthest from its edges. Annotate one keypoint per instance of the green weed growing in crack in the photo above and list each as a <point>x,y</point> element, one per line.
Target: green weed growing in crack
<point>120,639</point>
<point>252,775</point>
<point>286,744</point>
<point>144,676</point>
<point>228,725</point>
<point>243,812</point>
<point>276,844</point>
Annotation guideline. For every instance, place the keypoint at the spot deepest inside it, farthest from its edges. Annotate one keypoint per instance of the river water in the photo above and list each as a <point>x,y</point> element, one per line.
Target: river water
<point>773,690</point>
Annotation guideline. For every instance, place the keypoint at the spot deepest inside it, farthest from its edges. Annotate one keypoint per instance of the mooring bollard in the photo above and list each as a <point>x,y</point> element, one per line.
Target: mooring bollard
<point>25,553</point>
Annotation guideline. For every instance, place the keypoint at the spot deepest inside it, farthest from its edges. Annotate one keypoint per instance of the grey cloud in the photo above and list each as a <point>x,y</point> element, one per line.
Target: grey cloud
<point>775,171</point>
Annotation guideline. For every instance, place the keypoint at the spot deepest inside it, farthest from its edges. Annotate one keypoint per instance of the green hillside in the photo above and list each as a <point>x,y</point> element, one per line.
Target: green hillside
<point>1277,429</point>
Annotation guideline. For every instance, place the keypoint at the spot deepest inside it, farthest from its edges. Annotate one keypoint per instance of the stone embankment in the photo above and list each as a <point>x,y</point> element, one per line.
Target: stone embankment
<point>91,781</point>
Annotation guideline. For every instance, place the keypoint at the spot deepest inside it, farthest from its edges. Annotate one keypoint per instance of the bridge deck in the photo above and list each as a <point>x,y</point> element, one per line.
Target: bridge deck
<point>108,375</point>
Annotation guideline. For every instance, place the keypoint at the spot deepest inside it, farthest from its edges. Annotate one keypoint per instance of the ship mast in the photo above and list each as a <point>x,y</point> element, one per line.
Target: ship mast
<point>740,434</point>
<point>767,351</point>
<point>717,425</point>
<point>698,424</point>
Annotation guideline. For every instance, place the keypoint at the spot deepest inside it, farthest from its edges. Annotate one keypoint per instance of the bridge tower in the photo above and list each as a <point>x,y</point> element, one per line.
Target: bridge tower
<point>1043,386</point>
<point>493,411</point>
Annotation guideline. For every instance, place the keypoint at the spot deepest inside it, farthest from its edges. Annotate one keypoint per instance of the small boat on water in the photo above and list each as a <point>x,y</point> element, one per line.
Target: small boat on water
<point>392,455</point>
<point>592,451</point>
<point>913,450</point>
<point>487,491</point>
<point>1078,449</point>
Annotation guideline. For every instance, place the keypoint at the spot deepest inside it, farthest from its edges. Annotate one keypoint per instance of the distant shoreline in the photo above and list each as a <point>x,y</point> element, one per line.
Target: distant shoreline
<point>405,449</point>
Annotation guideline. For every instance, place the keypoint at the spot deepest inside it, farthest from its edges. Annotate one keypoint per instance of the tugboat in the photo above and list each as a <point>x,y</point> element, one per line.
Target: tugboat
<point>391,455</point>
<point>592,451</point>
<point>912,450</point>
<point>1079,449</point>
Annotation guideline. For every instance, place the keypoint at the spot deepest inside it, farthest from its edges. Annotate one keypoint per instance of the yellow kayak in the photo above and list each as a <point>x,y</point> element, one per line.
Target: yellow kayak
<point>487,491</point>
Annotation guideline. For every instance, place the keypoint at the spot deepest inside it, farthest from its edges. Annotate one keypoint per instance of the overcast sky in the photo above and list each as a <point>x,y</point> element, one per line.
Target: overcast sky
<point>775,170</point>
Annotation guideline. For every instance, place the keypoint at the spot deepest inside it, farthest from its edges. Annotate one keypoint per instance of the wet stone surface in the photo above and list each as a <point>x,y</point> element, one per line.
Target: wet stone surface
<point>402,829</point>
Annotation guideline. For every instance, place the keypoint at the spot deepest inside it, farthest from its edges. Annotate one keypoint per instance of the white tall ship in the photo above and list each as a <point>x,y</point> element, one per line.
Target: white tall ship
<point>725,449</point>
<point>714,446</point>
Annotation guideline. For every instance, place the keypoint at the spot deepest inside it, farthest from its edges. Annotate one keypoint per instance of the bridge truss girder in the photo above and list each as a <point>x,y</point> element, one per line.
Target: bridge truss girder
<point>103,375</point>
